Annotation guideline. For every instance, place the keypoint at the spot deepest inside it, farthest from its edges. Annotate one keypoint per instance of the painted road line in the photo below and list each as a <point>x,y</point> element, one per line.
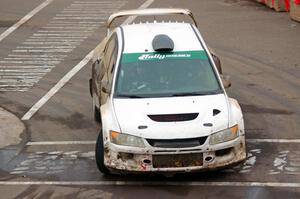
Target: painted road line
<point>65,38</point>
<point>91,7</point>
<point>80,6</point>
<point>52,34</point>
<point>18,76</point>
<point>57,87</point>
<point>61,143</point>
<point>90,10</point>
<point>73,22</point>
<point>23,69</point>
<point>273,140</point>
<point>86,6</point>
<point>40,63</point>
<point>44,51</point>
<point>59,25</point>
<point>155,183</point>
<point>16,82</point>
<point>94,142</point>
<point>20,61</point>
<point>39,70</point>
<point>12,79</point>
<point>80,11</point>
<point>77,18</point>
<point>27,66</point>
<point>46,47</point>
<point>25,74</point>
<point>71,26</point>
<point>24,19</point>
<point>36,57</point>
<point>77,15</point>
<point>30,62</point>
<point>20,85</point>
<point>33,58</point>
<point>81,23</point>
<point>45,55</point>
<point>145,5</point>
<point>66,30</point>
<point>49,42</point>
<point>54,40</point>
<point>92,2</point>
<point>70,74</point>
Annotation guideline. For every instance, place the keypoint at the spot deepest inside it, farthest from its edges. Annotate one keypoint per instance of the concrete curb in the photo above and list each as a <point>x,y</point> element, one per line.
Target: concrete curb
<point>11,129</point>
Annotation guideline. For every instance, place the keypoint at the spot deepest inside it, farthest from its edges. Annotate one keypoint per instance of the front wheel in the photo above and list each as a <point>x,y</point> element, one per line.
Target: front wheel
<point>99,155</point>
<point>96,111</point>
<point>97,116</point>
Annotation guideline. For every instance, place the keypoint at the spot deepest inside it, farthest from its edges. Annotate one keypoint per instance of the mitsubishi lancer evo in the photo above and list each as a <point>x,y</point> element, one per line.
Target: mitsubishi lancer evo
<point>159,96</point>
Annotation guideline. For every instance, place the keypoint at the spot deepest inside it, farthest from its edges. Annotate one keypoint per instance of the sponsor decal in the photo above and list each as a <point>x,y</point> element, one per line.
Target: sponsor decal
<point>155,56</point>
<point>145,57</point>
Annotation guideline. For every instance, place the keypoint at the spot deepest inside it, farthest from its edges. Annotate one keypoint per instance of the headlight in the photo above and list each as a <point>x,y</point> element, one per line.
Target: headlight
<point>224,136</point>
<point>127,140</point>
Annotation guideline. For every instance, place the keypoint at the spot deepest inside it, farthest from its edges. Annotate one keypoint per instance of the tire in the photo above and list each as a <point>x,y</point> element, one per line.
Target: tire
<point>90,87</point>
<point>99,155</point>
<point>97,116</point>
<point>96,111</point>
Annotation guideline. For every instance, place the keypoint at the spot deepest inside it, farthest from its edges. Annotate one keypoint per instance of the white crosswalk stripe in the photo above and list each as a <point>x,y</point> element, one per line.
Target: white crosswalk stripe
<point>47,47</point>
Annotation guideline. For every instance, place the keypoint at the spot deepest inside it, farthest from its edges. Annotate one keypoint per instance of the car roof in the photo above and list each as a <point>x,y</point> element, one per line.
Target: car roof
<point>138,37</point>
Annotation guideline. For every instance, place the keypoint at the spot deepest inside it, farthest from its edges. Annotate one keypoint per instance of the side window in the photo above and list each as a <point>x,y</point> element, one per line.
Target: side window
<point>111,65</point>
<point>102,70</point>
<point>109,49</point>
<point>110,58</point>
<point>113,59</point>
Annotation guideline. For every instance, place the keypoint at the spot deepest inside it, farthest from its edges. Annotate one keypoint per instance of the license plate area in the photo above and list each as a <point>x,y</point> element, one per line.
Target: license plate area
<point>177,160</point>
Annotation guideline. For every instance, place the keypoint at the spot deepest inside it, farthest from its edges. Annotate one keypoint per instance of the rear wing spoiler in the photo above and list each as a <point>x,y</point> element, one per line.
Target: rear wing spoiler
<point>149,12</point>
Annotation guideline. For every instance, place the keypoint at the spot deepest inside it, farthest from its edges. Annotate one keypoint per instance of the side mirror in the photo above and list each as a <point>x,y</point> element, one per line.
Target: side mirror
<point>217,63</point>
<point>226,81</point>
<point>105,88</point>
<point>98,60</point>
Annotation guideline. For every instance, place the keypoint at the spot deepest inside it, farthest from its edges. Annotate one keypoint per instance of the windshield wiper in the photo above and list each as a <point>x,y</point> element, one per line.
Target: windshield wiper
<point>195,93</point>
<point>130,96</point>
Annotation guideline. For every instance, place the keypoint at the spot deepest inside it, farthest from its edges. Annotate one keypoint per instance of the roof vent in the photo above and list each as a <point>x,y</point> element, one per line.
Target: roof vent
<point>162,43</point>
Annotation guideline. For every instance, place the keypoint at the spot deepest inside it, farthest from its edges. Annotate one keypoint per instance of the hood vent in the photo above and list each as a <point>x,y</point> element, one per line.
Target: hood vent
<point>216,112</point>
<point>174,117</point>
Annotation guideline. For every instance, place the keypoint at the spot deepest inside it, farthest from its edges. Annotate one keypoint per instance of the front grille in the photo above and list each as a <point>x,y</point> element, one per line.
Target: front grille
<point>174,117</point>
<point>177,143</point>
<point>177,160</point>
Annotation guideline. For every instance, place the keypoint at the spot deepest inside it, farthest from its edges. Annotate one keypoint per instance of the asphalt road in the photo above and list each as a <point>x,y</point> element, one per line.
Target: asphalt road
<point>259,49</point>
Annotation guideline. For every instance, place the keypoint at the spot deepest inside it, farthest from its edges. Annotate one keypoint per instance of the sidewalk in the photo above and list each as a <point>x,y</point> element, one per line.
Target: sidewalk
<point>11,129</point>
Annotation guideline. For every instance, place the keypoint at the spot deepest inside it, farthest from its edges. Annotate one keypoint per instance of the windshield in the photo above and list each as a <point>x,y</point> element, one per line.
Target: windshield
<point>166,74</point>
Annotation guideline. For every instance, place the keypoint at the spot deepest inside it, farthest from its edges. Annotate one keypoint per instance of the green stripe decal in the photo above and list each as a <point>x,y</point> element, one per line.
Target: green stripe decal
<point>135,57</point>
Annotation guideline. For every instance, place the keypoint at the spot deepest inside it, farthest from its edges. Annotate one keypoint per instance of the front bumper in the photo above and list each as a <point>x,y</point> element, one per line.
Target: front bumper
<point>151,159</point>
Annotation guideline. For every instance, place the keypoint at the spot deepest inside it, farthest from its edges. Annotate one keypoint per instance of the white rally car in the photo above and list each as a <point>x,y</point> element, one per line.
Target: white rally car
<point>161,102</point>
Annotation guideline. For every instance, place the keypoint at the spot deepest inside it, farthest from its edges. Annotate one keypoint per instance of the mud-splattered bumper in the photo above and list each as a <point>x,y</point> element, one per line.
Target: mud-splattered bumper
<point>205,157</point>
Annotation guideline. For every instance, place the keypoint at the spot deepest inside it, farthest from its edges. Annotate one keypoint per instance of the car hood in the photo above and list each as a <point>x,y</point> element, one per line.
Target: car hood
<point>133,116</point>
